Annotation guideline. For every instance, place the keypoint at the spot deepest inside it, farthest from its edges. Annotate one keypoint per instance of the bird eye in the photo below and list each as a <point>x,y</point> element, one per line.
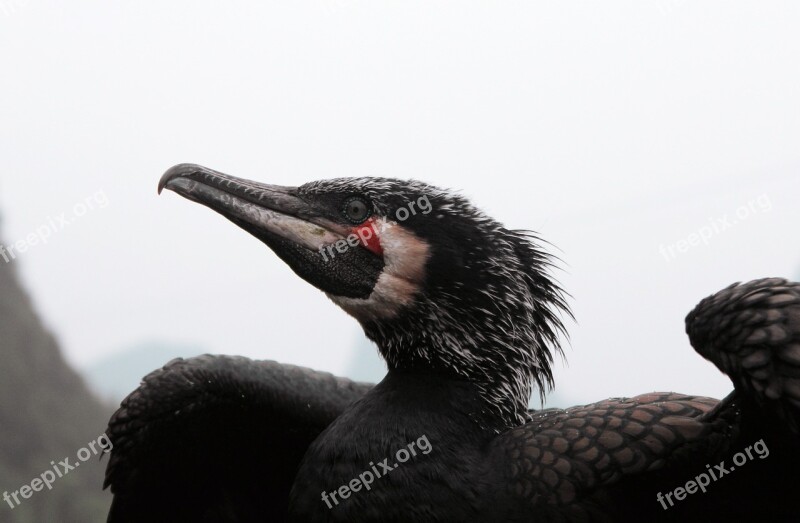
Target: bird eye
<point>356,210</point>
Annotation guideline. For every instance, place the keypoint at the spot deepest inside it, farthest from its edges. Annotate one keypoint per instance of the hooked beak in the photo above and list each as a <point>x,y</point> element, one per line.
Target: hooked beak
<point>296,230</point>
<point>255,206</point>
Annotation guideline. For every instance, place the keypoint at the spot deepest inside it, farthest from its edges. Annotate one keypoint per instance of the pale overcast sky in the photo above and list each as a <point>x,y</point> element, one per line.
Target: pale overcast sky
<point>615,129</point>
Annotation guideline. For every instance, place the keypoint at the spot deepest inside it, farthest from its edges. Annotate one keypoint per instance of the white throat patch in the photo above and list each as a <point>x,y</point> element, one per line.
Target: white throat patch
<point>405,256</point>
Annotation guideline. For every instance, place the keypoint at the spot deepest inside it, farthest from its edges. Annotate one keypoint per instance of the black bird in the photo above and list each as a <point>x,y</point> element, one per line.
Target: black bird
<point>468,319</point>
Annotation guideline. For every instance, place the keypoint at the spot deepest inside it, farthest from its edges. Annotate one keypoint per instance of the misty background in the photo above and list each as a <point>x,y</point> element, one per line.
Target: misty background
<point>654,144</point>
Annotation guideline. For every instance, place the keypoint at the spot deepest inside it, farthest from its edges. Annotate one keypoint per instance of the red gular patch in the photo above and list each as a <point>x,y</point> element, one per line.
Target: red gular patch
<point>367,233</point>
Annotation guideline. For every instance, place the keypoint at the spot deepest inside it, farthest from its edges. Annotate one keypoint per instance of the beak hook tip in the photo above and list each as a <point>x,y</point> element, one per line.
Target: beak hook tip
<point>177,171</point>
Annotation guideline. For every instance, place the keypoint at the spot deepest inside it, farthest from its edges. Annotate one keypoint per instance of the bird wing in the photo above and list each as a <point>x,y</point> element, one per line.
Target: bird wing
<point>751,332</point>
<point>564,464</point>
<point>217,438</point>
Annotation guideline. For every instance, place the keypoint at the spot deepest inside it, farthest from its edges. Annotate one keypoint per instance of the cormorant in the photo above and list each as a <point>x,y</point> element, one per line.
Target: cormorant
<point>468,319</point>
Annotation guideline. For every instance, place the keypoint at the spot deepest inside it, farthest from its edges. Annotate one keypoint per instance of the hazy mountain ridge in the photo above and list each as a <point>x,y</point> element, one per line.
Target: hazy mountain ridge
<point>113,377</point>
<point>47,413</point>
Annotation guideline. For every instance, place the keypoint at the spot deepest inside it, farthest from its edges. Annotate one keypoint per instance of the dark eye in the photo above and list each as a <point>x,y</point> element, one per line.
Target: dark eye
<point>356,210</point>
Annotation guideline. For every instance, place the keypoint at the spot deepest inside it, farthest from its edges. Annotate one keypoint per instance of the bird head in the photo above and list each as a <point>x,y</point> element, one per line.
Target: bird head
<point>438,285</point>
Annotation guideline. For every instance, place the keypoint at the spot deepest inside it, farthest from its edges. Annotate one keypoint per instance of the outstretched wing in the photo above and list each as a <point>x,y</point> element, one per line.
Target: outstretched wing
<point>218,438</point>
<point>618,459</point>
<point>751,332</point>
<point>570,465</point>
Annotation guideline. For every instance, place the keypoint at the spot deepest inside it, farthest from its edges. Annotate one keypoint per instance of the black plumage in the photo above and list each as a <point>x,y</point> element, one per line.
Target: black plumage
<point>468,318</point>
<point>218,438</point>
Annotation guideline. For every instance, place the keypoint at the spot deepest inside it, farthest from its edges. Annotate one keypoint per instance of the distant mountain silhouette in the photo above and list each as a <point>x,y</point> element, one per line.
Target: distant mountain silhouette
<point>119,374</point>
<point>47,414</point>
